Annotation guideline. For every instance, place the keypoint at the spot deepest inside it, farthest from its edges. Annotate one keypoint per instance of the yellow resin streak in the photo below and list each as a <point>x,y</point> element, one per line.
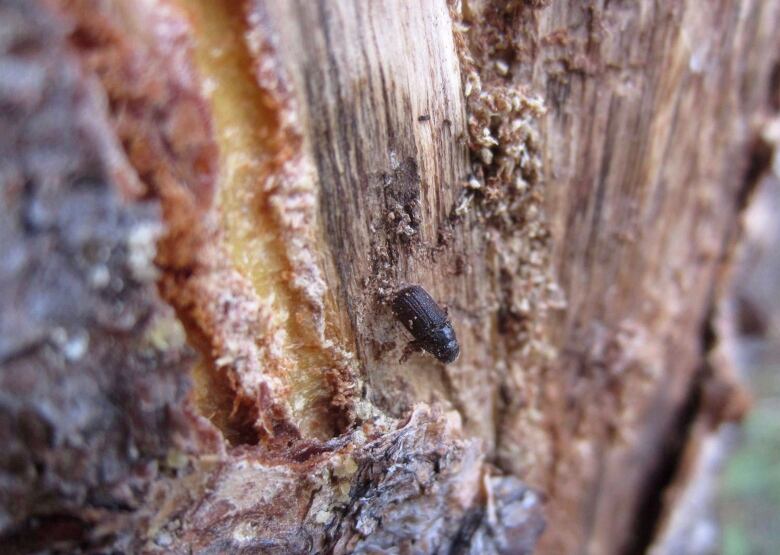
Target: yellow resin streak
<point>245,130</point>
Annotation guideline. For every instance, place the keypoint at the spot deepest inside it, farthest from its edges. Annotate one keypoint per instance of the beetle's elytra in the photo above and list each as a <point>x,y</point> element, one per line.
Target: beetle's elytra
<point>427,322</point>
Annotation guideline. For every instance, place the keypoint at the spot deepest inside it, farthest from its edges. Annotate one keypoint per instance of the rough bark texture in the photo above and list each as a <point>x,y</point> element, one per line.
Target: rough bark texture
<point>208,205</point>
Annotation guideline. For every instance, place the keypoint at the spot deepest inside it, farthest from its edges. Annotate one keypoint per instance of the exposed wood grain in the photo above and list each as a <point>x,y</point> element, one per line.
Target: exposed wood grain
<point>366,72</point>
<point>644,151</point>
<point>648,148</point>
<point>566,177</point>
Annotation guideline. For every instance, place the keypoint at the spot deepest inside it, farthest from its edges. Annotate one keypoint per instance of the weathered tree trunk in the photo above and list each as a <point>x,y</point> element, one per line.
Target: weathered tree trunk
<point>208,205</point>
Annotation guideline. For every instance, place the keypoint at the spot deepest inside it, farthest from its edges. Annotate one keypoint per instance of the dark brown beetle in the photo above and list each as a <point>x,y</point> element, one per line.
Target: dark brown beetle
<point>428,323</point>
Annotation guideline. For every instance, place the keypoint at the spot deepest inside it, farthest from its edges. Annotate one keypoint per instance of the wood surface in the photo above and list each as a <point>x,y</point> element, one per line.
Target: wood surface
<point>566,178</point>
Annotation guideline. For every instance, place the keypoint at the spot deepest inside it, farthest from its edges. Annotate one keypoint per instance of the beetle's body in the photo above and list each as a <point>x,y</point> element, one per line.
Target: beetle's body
<point>427,322</point>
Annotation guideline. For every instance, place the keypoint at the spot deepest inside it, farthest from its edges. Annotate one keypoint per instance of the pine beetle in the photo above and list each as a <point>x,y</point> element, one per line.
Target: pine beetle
<point>427,322</point>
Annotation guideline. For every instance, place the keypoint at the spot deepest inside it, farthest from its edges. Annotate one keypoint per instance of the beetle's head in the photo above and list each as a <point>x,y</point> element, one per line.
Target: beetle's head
<point>444,344</point>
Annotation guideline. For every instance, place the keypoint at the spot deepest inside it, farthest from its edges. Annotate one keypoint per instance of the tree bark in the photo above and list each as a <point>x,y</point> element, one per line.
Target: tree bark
<point>208,207</point>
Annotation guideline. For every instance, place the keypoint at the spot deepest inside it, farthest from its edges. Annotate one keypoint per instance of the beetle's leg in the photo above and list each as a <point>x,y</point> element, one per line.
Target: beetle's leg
<point>411,348</point>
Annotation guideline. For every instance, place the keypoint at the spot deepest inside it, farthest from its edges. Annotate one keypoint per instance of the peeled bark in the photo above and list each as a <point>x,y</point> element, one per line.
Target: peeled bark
<point>209,205</point>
